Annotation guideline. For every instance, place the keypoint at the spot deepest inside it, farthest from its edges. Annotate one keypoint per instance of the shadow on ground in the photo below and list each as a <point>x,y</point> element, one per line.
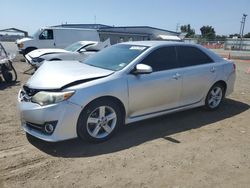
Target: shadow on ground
<point>138,133</point>
<point>5,85</point>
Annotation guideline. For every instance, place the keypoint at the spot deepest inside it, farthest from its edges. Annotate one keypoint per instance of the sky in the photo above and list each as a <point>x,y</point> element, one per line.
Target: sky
<point>29,15</point>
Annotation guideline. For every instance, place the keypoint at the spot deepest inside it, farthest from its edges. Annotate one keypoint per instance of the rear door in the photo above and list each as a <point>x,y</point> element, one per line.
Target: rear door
<point>159,90</point>
<point>199,73</point>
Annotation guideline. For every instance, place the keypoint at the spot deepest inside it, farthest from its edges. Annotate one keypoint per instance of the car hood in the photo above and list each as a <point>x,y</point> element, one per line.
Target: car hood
<point>62,74</point>
<point>18,41</point>
<point>40,52</point>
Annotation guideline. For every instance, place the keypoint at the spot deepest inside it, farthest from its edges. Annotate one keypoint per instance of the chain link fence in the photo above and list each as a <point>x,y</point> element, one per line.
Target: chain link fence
<point>228,44</point>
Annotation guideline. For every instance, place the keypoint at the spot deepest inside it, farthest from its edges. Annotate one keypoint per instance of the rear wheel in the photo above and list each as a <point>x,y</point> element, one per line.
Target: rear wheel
<point>215,97</point>
<point>7,75</point>
<point>99,121</point>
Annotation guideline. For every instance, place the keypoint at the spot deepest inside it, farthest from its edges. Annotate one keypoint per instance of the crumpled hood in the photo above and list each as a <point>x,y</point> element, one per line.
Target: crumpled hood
<point>57,74</point>
<point>40,52</point>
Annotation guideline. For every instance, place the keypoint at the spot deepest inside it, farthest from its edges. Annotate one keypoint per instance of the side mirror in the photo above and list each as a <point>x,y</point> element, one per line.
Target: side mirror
<point>142,69</point>
<point>82,50</point>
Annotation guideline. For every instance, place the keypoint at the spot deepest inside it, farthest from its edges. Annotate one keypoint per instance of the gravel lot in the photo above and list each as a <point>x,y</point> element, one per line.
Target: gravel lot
<point>194,148</point>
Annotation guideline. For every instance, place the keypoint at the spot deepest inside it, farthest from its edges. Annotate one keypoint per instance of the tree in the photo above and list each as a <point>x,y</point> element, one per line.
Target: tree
<point>208,32</point>
<point>247,35</point>
<point>187,29</point>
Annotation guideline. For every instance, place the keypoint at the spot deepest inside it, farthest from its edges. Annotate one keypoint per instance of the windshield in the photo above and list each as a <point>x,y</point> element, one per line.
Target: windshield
<point>73,47</point>
<point>116,57</point>
<point>37,33</point>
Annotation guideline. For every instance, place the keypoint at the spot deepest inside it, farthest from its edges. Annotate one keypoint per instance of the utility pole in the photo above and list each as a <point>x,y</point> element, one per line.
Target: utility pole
<point>242,26</point>
<point>177,27</point>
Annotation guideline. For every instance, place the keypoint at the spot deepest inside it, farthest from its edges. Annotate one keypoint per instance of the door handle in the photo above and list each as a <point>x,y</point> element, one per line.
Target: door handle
<point>54,44</point>
<point>176,76</point>
<point>213,69</point>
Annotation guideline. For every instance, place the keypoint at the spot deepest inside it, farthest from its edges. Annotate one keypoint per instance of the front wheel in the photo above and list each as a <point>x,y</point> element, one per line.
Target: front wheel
<point>99,121</point>
<point>215,97</point>
<point>8,77</point>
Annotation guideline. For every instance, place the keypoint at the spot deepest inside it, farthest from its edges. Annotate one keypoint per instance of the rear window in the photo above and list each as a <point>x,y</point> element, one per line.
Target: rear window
<point>190,56</point>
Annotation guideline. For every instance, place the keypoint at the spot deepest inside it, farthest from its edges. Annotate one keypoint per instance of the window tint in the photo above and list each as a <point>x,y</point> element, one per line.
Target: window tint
<point>162,59</point>
<point>189,56</point>
<point>46,35</point>
<point>115,57</point>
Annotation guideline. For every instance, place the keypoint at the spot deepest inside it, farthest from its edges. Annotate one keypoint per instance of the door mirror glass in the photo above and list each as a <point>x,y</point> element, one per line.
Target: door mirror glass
<point>142,69</point>
<point>82,50</point>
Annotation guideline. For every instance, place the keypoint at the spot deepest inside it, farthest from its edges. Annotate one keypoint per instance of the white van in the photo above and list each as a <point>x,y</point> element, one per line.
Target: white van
<point>55,37</point>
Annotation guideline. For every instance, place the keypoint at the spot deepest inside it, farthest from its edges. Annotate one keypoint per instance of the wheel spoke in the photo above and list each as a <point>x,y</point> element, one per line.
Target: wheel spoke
<point>107,128</point>
<point>214,103</point>
<point>111,117</point>
<point>217,97</point>
<point>93,120</point>
<point>217,91</point>
<point>102,111</point>
<point>213,92</point>
<point>96,130</point>
<point>210,101</point>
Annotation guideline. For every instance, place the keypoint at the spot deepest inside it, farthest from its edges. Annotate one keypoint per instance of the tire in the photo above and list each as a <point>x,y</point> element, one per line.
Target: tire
<point>215,97</point>
<point>6,74</point>
<point>99,121</point>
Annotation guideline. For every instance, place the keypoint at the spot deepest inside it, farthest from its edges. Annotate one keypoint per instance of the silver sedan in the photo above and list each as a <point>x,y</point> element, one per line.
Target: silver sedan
<point>124,83</point>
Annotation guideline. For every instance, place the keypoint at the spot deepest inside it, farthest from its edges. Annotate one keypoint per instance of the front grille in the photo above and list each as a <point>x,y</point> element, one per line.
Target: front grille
<point>41,128</point>
<point>35,126</point>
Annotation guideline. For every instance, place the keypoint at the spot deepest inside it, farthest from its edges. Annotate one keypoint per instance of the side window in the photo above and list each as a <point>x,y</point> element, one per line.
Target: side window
<point>189,56</point>
<point>162,59</point>
<point>46,35</point>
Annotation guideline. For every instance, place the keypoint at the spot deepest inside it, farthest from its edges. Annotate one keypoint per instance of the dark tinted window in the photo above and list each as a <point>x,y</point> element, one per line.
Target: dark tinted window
<point>189,56</point>
<point>115,57</point>
<point>162,59</point>
<point>47,35</point>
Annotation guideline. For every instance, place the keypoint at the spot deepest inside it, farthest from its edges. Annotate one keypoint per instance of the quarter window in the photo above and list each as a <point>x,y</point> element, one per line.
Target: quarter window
<point>189,56</point>
<point>162,59</point>
<point>47,35</point>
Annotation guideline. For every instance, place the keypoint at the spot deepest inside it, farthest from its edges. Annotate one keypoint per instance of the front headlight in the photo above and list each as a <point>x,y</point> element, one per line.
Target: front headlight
<point>20,45</point>
<point>45,98</point>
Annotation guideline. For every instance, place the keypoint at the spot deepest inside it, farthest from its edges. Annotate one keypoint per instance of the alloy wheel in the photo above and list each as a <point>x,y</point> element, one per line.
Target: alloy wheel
<point>101,122</point>
<point>215,97</point>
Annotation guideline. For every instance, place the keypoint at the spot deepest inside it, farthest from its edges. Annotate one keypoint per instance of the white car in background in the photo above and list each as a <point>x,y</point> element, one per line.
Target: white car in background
<point>77,51</point>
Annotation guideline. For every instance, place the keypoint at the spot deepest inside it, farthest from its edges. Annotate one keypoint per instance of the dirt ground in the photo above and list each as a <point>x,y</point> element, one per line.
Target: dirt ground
<point>194,148</point>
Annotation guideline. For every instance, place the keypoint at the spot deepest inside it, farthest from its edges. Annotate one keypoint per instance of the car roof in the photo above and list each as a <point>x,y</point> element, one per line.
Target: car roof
<point>152,43</point>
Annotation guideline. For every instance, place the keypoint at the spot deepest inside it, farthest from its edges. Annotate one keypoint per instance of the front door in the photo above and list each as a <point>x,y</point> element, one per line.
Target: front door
<point>159,90</point>
<point>47,39</point>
